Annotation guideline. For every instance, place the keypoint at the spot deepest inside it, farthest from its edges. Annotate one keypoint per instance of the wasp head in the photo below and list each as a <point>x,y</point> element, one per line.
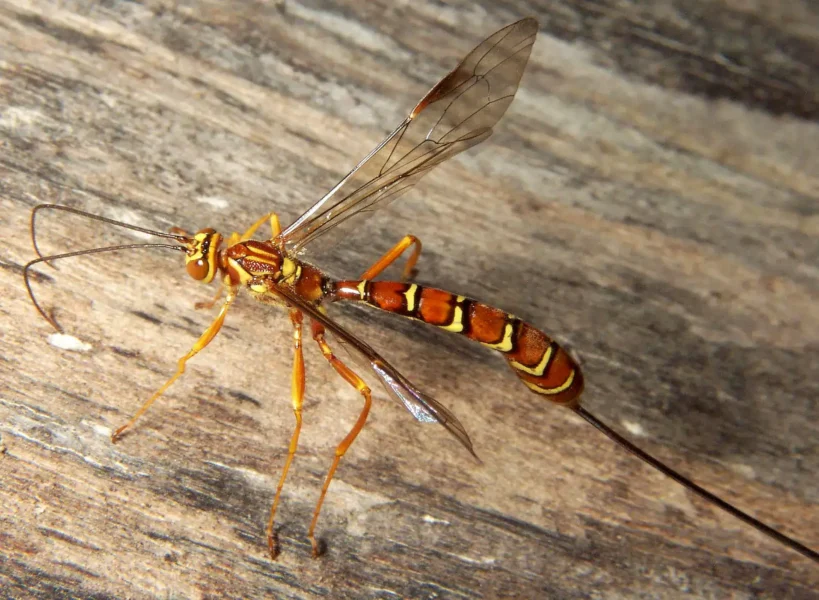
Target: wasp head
<point>202,255</point>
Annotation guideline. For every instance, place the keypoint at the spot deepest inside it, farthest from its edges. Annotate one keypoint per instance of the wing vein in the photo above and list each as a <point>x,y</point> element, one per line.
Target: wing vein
<point>456,114</point>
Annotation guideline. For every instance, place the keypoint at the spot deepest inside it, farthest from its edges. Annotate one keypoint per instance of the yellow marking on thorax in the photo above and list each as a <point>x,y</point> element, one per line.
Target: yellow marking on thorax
<point>457,324</point>
<point>505,345</point>
<point>260,251</point>
<point>291,271</point>
<point>538,369</point>
<point>288,268</point>
<point>362,288</point>
<point>552,391</point>
<point>262,259</point>
<point>244,276</point>
<point>411,296</point>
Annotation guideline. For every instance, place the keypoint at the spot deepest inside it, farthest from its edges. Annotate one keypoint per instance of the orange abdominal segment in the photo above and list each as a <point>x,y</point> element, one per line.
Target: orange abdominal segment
<point>543,366</point>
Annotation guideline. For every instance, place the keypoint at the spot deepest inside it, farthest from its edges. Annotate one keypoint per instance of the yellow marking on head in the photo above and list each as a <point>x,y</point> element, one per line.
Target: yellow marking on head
<point>505,345</point>
<point>201,255</point>
<point>259,288</point>
<point>198,240</point>
<point>362,288</point>
<point>457,324</point>
<point>539,369</point>
<point>410,295</point>
<point>195,246</point>
<point>552,391</point>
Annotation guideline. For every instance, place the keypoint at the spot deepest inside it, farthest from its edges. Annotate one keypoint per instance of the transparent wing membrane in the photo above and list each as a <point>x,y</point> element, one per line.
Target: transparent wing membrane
<point>457,113</point>
<point>422,406</point>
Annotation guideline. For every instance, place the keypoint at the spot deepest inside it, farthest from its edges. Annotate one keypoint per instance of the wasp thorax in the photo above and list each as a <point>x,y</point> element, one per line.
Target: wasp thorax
<point>200,261</point>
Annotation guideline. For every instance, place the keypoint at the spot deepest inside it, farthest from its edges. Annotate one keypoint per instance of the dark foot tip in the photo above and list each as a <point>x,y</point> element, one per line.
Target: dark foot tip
<point>273,547</point>
<point>318,548</point>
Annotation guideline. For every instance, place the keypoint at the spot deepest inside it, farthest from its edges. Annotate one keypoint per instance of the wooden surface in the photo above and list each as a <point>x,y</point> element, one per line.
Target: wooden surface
<point>651,199</point>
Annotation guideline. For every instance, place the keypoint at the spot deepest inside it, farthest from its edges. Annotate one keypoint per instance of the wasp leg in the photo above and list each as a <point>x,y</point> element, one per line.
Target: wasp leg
<point>208,304</point>
<point>392,255</point>
<point>358,383</point>
<point>297,393</point>
<point>275,227</point>
<point>200,344</point>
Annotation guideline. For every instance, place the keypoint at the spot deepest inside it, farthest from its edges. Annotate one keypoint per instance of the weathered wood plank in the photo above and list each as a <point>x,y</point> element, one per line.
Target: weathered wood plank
<point>651,198</point>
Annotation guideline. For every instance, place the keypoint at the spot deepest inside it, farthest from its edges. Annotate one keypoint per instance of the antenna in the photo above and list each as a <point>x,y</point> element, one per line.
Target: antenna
<point>690,485</point>
<point>182,239</point>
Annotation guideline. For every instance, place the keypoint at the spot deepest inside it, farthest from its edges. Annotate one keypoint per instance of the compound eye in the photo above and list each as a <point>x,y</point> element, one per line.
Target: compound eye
<point>198,269</point>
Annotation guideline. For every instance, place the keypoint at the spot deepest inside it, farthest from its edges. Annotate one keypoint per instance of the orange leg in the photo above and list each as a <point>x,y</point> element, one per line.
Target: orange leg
<point>392,255</point>
<point>208,304</point>
<point>200,344</point>
<point>358,383</point>
<point>297,393</point>
<point>275,227</point>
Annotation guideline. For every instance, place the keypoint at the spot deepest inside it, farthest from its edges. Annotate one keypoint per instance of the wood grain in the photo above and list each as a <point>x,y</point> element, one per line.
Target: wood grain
<point>651,199</point>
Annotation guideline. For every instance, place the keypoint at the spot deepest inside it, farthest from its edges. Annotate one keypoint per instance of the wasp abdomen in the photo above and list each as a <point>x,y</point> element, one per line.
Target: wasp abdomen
<point>543,366</point>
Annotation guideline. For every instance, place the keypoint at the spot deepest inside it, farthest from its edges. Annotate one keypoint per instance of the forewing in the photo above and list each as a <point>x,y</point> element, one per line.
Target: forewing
<point>422,406</point>
<point>456,114</point>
